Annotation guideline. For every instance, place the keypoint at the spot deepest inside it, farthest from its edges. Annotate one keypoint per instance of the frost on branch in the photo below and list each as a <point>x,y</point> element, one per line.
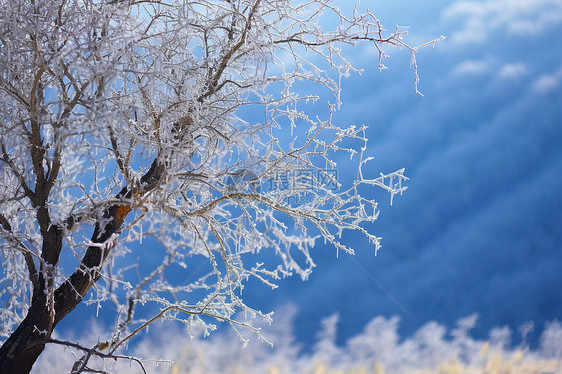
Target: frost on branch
<point>175,127</point>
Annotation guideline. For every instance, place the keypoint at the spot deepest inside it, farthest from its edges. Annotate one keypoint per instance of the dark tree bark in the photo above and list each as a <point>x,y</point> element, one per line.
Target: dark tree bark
<point>25,344</point>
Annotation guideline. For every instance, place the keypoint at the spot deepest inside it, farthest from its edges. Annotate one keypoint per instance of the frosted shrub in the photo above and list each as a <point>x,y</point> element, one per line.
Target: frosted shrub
<point>378,349</point>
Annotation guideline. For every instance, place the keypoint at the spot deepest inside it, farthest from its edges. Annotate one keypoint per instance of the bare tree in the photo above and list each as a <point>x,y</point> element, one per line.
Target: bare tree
<point>130,117</point>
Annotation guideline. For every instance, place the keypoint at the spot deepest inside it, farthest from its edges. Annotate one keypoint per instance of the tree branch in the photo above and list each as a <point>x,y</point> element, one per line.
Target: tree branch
<point>30,194</point>
<point>212,86</point>
<point>118,157</point>
<point>36,143</point>
<point>92,352</point>
<point>27,254</point>
<point>73,290</point>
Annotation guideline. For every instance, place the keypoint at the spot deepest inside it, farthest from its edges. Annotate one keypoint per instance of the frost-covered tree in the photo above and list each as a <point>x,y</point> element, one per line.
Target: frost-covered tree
<point>176,122</point>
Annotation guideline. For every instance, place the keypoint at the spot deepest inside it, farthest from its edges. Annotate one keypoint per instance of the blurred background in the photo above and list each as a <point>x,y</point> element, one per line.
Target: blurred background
<point>479,229</point>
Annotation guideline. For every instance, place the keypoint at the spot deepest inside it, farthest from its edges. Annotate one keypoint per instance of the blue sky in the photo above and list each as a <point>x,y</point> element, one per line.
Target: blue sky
<point>479,229</point>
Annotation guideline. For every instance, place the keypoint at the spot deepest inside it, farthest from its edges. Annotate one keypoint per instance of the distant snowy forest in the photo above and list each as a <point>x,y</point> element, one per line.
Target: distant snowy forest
<point>378,349</point>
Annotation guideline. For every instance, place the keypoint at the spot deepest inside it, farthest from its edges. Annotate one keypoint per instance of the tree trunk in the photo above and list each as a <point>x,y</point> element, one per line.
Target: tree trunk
<point>25,344</point>
<point>23,347</point>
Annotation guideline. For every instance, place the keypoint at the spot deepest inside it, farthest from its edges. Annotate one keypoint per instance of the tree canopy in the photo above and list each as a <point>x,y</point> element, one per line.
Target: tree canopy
<point>182,123</point>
